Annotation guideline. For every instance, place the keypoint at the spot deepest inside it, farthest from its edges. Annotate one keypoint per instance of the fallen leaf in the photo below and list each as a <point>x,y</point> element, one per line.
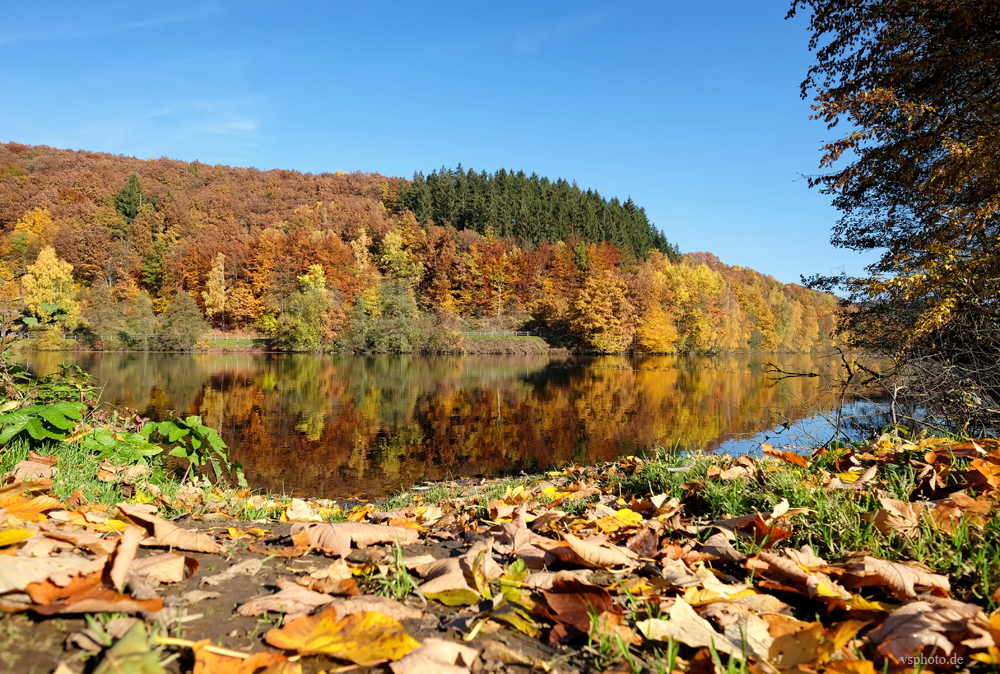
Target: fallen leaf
<point>900,578</point>
<point>17,572</point>
<point>369,602</point>
<point>167,534</point>
<point>644,542</point>
<point>13,536</point>
<point>990,471</point>
<point>597,556</point>
<point>898,517</point>
<point>790,457</point>
<point>924,623</point>
<point>335,538</point>
<point>131,655</point>
<point>365,638</point>
<point>207,662</point>
<point>250,567</point>
<point>334,579</point>
<point>33,470</point>
<point>124,554</point>
<point>300,511</point>
<point>94,638</point>
<point>166,568</point>
<point>293,600</point>
<point>436,656</point>
<point>688,628</point>
<point>803,569</point>
<point>571,602</point>
<point>752,631</point>
<point>28,510</point>
<point>717,546</point>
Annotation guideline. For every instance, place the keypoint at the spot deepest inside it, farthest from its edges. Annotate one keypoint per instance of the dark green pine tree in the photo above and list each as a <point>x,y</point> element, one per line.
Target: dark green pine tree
<point>531,209</point>
<point>129,199</point>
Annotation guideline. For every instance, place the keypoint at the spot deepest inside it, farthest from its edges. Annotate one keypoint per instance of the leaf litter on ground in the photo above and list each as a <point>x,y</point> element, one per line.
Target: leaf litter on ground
<point>727,559</point>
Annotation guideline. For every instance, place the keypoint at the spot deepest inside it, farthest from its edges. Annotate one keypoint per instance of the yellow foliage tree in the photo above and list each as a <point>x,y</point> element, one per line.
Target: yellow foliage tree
<point>49,283</point>
<point>601,315</point>
<point>215,295</point>
<point>656,332</point>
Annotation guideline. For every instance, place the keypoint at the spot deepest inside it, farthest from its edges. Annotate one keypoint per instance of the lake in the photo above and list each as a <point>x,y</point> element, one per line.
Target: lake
<point>334,426</point>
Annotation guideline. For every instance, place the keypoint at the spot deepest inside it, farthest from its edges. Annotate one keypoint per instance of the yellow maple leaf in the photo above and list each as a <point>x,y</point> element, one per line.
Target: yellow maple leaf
<point>365,638</point>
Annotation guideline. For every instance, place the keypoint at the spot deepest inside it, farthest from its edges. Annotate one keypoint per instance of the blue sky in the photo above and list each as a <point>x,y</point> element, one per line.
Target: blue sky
<point>693,109</point>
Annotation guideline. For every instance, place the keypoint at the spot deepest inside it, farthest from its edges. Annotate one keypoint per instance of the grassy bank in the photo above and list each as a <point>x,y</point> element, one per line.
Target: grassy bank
<point>502,344</point>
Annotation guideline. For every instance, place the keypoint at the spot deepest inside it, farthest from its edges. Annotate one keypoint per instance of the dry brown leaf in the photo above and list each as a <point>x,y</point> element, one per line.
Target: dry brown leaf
<point>437,656</point>
<point>544,580</point>
<point>736,473</point>
<point>811,580</point>
<point>723,613</point>
<point>33,470</point>
<point>687,627</point>
<point>644,542</point>
<point>16,572</point>
<point>597,556</point>
<point>898,517</point>
<point>121,560</point>
<point>901,579</point>
<point>752,631</point>
<point>337,578</point>
<point>516,540</point>
<point>335,538</point>
<point>293,600</point>
<point>166,568</point>
<point>948,512</point>
<point>249,567</point>
<point>717,546</point>
<point>463,563</point>
<point>370,602</point>
<point>167,534</point>
<point>924,623</point>
<point>570,605</point>
<point>678,574</point>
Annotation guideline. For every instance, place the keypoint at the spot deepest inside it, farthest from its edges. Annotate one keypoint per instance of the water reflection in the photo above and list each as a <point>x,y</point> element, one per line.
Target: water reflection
<point>333,426</point>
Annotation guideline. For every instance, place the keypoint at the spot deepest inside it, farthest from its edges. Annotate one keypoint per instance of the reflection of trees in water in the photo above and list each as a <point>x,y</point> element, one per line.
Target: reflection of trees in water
<point>336,425</point>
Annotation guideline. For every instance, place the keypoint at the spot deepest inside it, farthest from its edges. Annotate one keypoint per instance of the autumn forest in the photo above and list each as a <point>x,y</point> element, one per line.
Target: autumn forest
<point>155,253</point>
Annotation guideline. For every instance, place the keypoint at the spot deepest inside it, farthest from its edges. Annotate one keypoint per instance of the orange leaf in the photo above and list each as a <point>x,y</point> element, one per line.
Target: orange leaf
<point>990,471</point>
<point>29,510</point>
<point>86,594</point>
<point>790,457</point>
<point>365,638</point>
<point>207,662</point>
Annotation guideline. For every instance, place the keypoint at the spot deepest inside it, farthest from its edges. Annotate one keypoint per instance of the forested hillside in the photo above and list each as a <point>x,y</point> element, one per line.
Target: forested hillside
<point>136,249</point>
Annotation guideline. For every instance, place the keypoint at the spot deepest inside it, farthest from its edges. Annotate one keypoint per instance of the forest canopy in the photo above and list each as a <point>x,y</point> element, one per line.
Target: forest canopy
<point>530,209</point>
<point>366,262</point>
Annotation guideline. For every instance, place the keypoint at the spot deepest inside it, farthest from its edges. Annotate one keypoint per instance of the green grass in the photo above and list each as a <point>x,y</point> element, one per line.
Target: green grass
<point>76,469</point>
<point>222,343</point>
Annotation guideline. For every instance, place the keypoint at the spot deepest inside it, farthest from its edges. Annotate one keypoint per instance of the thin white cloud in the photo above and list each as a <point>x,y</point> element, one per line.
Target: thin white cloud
<point>90,26</point>
<point>532,38</point>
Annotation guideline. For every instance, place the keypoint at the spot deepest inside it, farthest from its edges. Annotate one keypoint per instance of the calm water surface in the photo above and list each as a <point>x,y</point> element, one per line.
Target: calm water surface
<point>340,425</point>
